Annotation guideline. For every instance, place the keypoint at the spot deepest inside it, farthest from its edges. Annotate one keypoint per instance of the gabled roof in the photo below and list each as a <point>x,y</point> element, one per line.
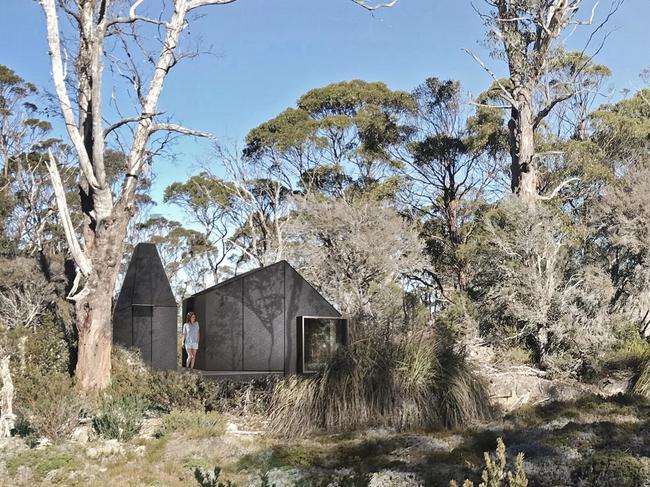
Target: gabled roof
<point>145,283</point>
<point>240,276</point>
<point>281,263</point>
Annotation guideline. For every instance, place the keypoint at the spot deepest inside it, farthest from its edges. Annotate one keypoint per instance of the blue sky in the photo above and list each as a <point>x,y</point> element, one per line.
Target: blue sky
<point>268,52</point>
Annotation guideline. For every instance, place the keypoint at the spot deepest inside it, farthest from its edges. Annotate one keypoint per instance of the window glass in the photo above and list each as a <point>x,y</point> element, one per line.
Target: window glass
<point>320,342</point>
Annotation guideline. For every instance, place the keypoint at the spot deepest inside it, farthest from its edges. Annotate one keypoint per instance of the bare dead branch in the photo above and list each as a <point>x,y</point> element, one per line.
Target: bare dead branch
<point>126,121</point>
<point>541,115</point>
<point>558,188</point>
<point>202,3</point>
<point>372,8</point>
<point>58,77</point>
<point>171,127</point>
<point>504,90</point>
<point>79,256</point>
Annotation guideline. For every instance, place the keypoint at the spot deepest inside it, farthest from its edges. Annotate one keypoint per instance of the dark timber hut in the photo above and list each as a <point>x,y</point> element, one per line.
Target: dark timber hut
<point>268,320</point>
<point>145,315</point>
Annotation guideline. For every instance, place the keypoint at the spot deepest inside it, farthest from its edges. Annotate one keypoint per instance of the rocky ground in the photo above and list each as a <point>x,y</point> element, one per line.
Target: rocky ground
<point>590,441</point>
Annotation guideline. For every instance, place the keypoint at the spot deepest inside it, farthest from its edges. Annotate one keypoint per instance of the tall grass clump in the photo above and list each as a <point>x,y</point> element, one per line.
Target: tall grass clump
<point>417,383</point>
<point>642,385</point>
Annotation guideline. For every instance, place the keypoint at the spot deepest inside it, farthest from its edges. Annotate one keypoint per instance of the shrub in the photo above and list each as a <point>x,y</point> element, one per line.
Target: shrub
<point>164,390</point>
<point>129,374</point>
<point>496,473</point>
<point>48,403</point>
<point>237,397</point>
<point>120,417</point>
<point>536,289</point>
<point>614,467</point>
<point>631,350</point>
<point>46,347</point>
<point>419,383</point>
<point>210,479</point>
<point>172,390</point>
<point>193,424</point>
<point>42,462</point>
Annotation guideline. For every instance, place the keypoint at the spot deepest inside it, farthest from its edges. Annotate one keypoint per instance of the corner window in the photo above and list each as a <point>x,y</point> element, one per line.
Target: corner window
<point>318,340</point>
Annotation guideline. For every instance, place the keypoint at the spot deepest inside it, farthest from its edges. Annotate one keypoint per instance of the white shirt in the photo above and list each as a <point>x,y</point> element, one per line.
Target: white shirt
<point>191,333</point>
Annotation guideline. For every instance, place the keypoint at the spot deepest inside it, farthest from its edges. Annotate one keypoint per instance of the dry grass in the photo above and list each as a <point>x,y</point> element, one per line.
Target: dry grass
<point>420,383</point>
<point>642,385</point>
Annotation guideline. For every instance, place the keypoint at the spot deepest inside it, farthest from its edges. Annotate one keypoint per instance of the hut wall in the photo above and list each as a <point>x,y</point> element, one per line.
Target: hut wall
<point>301,299</point>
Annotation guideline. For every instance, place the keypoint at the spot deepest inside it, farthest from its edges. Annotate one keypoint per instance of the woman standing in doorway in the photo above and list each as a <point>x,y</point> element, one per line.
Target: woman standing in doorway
<point>191,338</point>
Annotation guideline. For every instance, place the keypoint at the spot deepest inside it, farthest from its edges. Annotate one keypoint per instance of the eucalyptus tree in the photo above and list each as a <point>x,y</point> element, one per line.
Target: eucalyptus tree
<point>28,224</point>
<point>141,44</point>
<point>448,171</point>
<point>621,131</point>
<point>336,139</point>
<point>108,33</point>
<point>209,203</point>
<point>526,35</point>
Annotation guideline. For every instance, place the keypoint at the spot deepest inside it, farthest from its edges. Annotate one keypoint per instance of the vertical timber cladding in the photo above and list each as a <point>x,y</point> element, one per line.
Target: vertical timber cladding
<point>263,296</point>
<point>301,299</point>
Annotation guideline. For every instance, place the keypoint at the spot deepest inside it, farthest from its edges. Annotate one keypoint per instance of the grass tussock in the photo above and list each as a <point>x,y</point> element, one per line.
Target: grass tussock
<point>419,383</point>
<point>642,385</point>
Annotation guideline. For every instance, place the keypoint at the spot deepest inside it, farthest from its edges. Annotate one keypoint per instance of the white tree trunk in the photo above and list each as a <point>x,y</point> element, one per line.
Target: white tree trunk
<point>7,416</point>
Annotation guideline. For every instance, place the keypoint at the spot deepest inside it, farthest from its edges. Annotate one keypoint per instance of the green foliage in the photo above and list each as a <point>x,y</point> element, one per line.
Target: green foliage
<point>496,473</point>
<point>622,129</point>
<point>417,383</point>
<point>163,390</point>
<point>193,424</point>
<point>210,479</point>
<point>642,384</point>
<point>23,429</point>
<point>534,289</point>
<point>121,417</point>
<point>630,351</point>
<point>47,403</point>
<point>614,467</point>
<point>43,461</point>
<point>47,346</point>
<point>173,390</point>
<point>337,137</point>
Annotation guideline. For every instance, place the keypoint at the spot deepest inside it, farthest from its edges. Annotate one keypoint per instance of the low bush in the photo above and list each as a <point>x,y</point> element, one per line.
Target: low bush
<point>129,374</point>
<point>43,461</point>
<point>418,383</point>
<point>173,390</point>
<point>496,473</point>
<point>47,405</point>
<point>613,467</point>
<point>242,398</point>
<point>631,349</point>
<point>193,424</point>
<point>120,417</point>
<point>210,479</point>
<point>46,346</point>
<point>164,390</point>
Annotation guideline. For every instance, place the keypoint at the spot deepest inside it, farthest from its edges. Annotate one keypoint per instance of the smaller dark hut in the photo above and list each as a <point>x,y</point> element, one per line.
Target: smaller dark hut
<point>145,315</point>
<point>266,321</point>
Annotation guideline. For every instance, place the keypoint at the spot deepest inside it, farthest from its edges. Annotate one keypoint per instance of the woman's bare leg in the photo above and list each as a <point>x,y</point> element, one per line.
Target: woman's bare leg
<point>192,358</point>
